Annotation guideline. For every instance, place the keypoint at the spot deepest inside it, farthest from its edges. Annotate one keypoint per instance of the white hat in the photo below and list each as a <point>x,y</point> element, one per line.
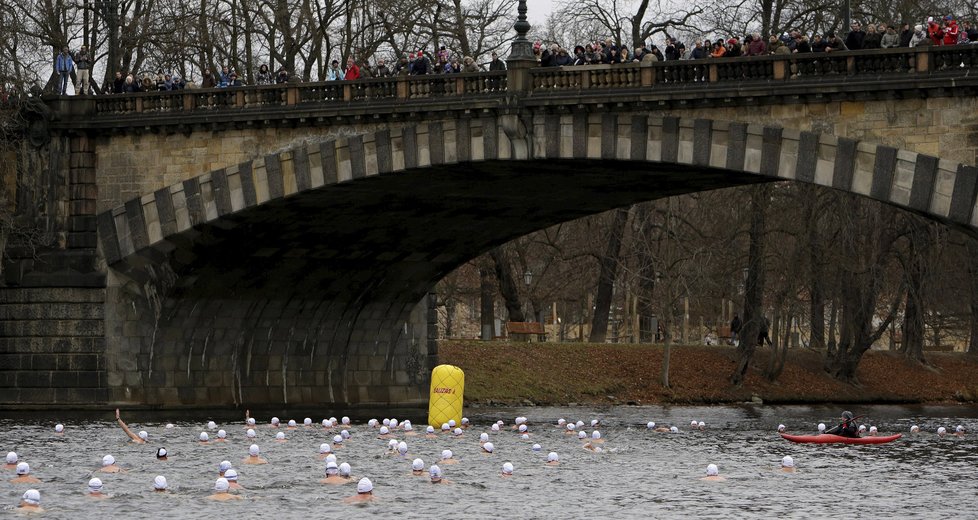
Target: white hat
<point>221,485</point>
<point>942,430</point>
<point>333,421</point>
<point>231,475</point>
<point>862,427</point>
<point>392,444</point>
<point>337,439</point>
<point>446,454</point>
<point>781,428</point>
<point>345,434</point>
<point>571,426</point>
<point>204,437</point>
<point>561,422</point>
<point>417,465</point>
<point>465,420</point>
<point>457,432</point>
<point>280,436</point>
<point>673,430</point>
<point>537,447</point>
<point>23,468</point>
<point>32,497</point>
<point>292,423</point>
<point>488,447</point>
<point>95,484</point>
<point>872,429</point>
<point>821,427</point>
<point>221,434</point>
<point>650,425</point>
<point>225,465</point>
<point>445,427</point>
<point>250,421</point>
<point>332,468</point>
<point>307,421</point>
<point>402,447</point>
<point>372,423</point>
<point>385,430</point>
<point>451,423</point>
<point>525,436</point>
<point>787,462</point>
<point>345,420</point>
<point>508,468</point>
<point>552,457</point>
<point>211,425</point>
<point>434,471</point>
<point>275,420</point>
<point>580,423</point>
<point>483,437</point>
<point>582,434</point>
<point>160,453</point>
<point>522,428</point>
<point>594,422</point>
<point>327,424</point>
<point>59,428</point>
<point>914,429</point>
<point>495,427</point>
<point>712,470</point>
<point>692,424</point>
<point>143,435</point>
<point>701,424</point>
<point>169,426</point>
<point>330,458</point>
<point>11,457</point>
<point>500,422</point>
<point>595,434</point>
<point>159,482</point>
<point>430,429</point>
<point>387,422</point>
<point>345,470</point>
<point>253,450</point>
<point>365,485</point>
<point>959,429</point>
<point>407,426</point>
<point>324,448</point>
<point>108,460</point>
<point>251,433</point>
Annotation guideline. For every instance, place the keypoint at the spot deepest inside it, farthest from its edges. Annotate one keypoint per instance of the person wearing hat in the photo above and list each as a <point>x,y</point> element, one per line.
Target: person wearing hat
<point>253,456</point>
<point>847,428</point>
<point>712,473</point>
<point>232,476</point>
<point>108,465</point>
<point>24,475</point>
<point>950,31</point>
<point>435,475</point>
<point>365,492</point>
<point>221,494</point>
<point>332,475</point>
<point>788,464</point>
<point>159,484</point>
<point>135,438</point>
<point>95,488</point>
<point>31,502</point>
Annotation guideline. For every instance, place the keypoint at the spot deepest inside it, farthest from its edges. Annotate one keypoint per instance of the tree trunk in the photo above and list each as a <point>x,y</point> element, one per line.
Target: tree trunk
<point>913,321</point>
<point>487,293</point>
<point>606,278</point>
<point>754,286</point>
<point>666,353</point>
<point>833,315</point>
<point>817,314</point>
<point>507,284</point>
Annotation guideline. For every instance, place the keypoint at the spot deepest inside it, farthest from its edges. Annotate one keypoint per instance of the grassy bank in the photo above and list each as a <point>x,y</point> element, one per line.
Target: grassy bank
<point>551,373</point>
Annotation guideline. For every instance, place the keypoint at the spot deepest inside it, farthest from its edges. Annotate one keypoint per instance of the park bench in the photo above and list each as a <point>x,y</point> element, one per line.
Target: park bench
<point>525,330</point>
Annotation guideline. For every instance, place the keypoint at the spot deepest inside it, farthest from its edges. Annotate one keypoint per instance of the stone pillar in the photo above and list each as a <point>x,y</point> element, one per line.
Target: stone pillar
<point>521,59</point>
<point>82,194</point>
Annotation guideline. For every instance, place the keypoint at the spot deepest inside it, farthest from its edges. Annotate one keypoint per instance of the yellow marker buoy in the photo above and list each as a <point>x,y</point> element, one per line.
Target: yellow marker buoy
<point>445,402</point>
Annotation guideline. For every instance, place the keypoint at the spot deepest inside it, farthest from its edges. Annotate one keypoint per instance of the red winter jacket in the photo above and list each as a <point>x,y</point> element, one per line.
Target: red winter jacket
<point>352,73</point>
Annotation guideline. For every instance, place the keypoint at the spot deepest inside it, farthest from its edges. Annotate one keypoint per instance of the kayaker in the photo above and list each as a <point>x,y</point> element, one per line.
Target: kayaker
<point>848,427</point>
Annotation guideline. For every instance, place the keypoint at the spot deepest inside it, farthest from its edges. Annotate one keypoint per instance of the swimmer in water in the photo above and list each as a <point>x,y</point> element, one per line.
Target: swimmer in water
<point>430,433</point>
<point>292,424</point>
<point>324,450</point>
<point>332,475</point>
<point>159,484</point>
<point>385,433</point>
<point>274,423</point>
<point>915,429</point>
<point>417,467</point>
<point>457,433</point>
<point>345,470</point>
<point>11,460</point>
<point>232,476</point>
<point>959,431</point>
<point>108,465</point>
<point>447,457</point>
<point>507,469</point>
<point>465,423</point>
<point>488,448</point>
<point>941,432</point>
<point>570,429</point>
<point>95,489</point>
<point>596,437</point>
<point>222,436</point>
<point>223,467</point>
<point>701,426</point>
<point>409,429</point>
<point>781,428</point>
<point>161,454</point>
<point>138,439</point>
<point>221,487</point>
<point>307,422</point>
<point>203,438</point>
<point>788,464</point>
<point>253,456</point>
<point>59,429</point>
<point>31,502</point>
<point>402,449</point>
<point>712,473</point>
<point>873,431</point>
<point>365,492</point>
<point>280,437</point>
<point>435,475</point>
<point>337,441</point>
<point>251,433</point>
<point>24,475</point>
<point>821,428</point>
<point>249,420</point>
<point>211,425</point>
<point>483,438</point>
<point>553,459</point>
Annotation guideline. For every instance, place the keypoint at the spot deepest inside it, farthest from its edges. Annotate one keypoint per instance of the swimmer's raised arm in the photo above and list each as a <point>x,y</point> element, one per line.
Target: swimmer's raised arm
<point>133,436</point>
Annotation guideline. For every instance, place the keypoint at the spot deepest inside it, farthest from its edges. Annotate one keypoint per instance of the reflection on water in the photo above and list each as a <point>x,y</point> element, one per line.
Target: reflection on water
<point>640,474</point>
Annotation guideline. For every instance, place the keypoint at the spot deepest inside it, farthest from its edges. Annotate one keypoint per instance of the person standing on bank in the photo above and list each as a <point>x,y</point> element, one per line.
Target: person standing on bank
<point>63,65</point>
<point>735,329</point>
<point>83,64</point>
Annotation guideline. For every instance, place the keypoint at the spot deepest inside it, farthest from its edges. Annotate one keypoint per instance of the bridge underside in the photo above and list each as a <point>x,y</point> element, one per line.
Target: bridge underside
<point>314,298</point>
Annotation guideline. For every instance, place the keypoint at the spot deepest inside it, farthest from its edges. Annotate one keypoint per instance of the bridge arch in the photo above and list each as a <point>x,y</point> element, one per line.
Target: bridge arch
<point>213,327</point>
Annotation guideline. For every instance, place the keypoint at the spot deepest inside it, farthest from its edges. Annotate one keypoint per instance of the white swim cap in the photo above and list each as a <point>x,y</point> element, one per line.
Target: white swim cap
<point>392,444</point>
<point>581,434</point>
<point>500,422</point>
<point>959,429</point>
<point>337,439</point>
<point>365,486</point>
<point>594,422</point>
<point>384,430</point>
<point>650,425</point>
<point>160,453</point>
<point>402,447</point>
<point>333,421</point>
<point>692,424</point>
<point>225,465</point>
<point>307,421</point>
<point>108,460</point>
<point>673,430</point>
<point>292,423</point>
<point>231,475</point>
<point>253,450</point>
<point>332,468</point>
<point>211,425</point>
<point>430,429</point>
<point>536,447</point>
<point>561,422</point>
<point>204,437</point>
<point>787,462</point>
<point>595,434</point>
<point>862,427</point>
<point>525,436</point>
<point>508,468</point>
<point>488,447</point>
<point>143,435</point>
<point>324,448</point>
<point>95,485</point>
<point>345,470</point>
<point>446,454</point>
<point>914,429</point>
<point>59,428</point>
<point>712,470</point>
<point>821,427</point>
<point>23,468</point>
<point>571,426</point>
<point>221,434</point>
<point>872,429</point>
<point>387,422</point>
<point>280,436</point>
<point>701,424</point>
<point>345,420</point>
<point>434,471</point>
<point>552,457</point>
<point>445,427</point>
<point>483,437</point>
<point>345,434</point>
<point>407,426</point>
<point>417,465</point>
<point>250,421</point>
<point>221,485</point>
<point>942,430</point>
<point>330,458</point>
<point>465,421</point>
<point>169,426</point>
<point>32,497</point>
<point>495,427</point>
<point>580,423</point>
<point>458,431</point>
<point>372,423</point>
<point>522,428</point>
<point>251,433</point>
<point>275,420</point>
<point>451,423</point>
<point>11,457</point>
<point>519,420</point>
<point>781,428</point>
<point>159,482</point>
<point>326,423</point>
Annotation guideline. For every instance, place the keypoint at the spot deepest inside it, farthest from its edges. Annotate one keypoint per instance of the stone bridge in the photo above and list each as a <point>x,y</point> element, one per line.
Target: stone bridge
<point>270,245</point>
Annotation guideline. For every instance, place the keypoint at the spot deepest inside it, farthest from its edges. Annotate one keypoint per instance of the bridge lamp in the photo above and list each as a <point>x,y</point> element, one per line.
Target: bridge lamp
<point>528,277</point>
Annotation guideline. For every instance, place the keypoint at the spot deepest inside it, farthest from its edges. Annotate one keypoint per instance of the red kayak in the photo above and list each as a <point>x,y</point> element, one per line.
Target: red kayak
<point>827,438</point>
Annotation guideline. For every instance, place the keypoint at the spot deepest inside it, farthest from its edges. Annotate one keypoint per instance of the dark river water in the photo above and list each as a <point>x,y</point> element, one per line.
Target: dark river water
<point>640,474</point>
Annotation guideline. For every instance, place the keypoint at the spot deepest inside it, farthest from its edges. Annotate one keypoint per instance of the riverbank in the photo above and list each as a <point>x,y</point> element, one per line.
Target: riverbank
<point>567,373</point>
